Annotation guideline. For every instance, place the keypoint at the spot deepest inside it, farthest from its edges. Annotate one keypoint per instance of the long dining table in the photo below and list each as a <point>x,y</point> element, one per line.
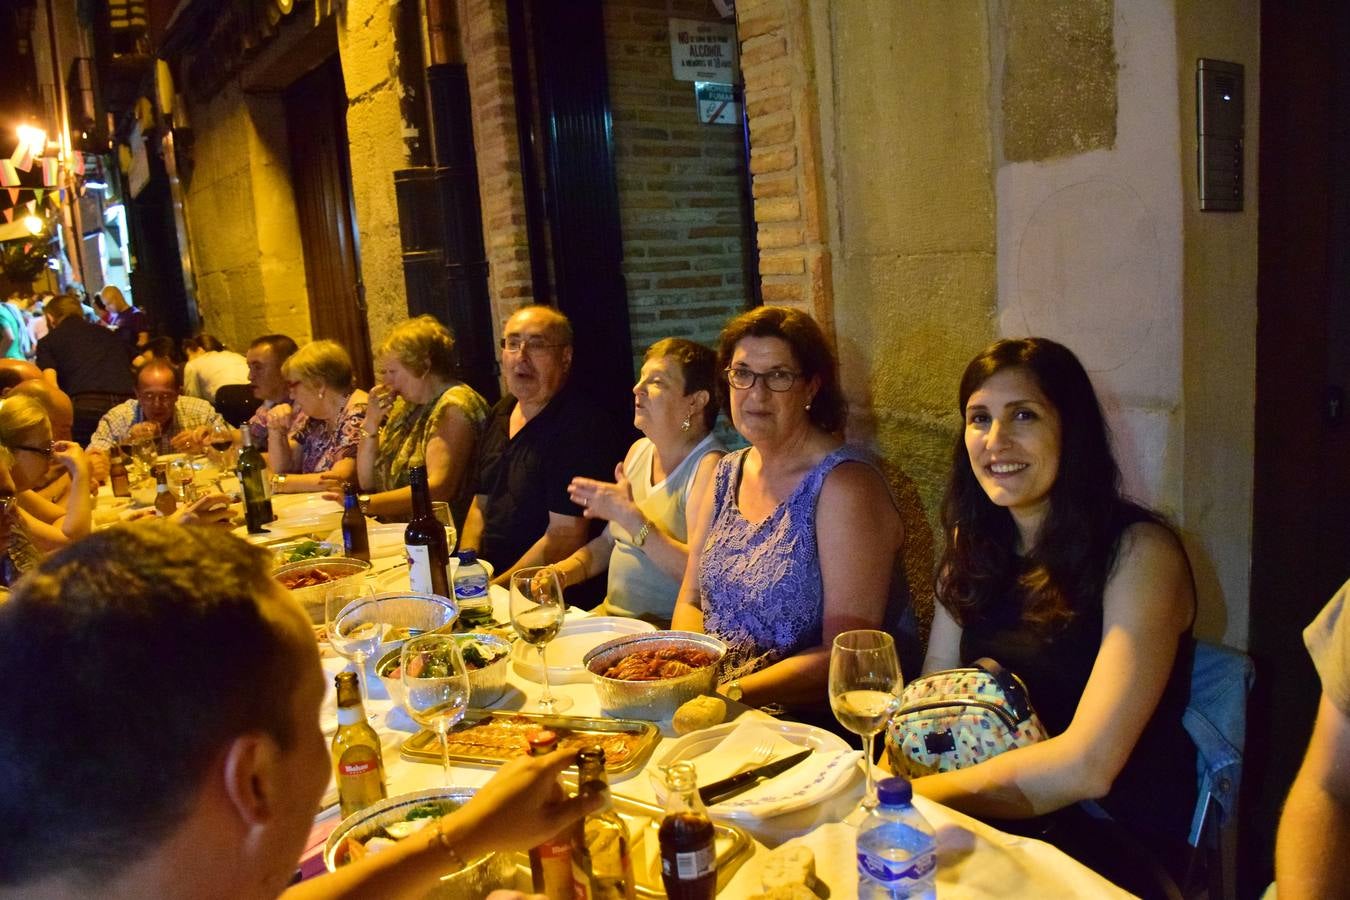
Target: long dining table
<point>974,859</point>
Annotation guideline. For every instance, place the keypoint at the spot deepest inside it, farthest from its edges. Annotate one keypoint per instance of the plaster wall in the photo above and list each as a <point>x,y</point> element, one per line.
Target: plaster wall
<point>241,214</point>
<point>375,135</point>
<point>1219,334</point>
<point>906,149</point>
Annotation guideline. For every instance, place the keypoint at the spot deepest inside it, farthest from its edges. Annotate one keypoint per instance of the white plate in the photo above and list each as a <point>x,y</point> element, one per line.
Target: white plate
<point>396,578</point>
<point>575,639</point>
<point>386,539</point>
<point>830,781</point>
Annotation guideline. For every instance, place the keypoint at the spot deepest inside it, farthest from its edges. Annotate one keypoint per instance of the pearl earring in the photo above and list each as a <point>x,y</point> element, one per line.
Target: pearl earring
<point>807,407</point>
<point>686,424</point>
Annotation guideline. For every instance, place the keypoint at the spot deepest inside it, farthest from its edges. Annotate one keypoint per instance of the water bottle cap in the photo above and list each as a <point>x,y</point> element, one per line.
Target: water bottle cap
<point>467,557</point>
<point>894,791</point>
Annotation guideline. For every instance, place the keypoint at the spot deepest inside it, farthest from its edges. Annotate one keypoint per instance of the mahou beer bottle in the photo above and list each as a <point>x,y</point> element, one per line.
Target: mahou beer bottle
<point>424,540</point>
<point>556,868</point>
<point>606,834</point>
<point>688,855</point>
<point>117,475</point>
<point>165,504</point>
<point>355,538</point>
<point>358,766</point>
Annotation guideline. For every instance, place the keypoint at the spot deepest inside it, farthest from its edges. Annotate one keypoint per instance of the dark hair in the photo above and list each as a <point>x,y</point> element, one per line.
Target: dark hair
<point>1079,539</point>
<point>281,346</point>
<point>97,770</point>
<point>810,349</point>
<point>202,341</point>
<point>63,305</point>
<point>698,366</point>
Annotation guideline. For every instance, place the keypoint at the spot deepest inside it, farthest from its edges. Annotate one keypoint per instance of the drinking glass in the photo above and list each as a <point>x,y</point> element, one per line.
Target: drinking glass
<point>435,687</point>
<point>864,689</point>
<point>355,627</point>
<point>537,609</point>
<point>221,444</point>
<point>180,475</point>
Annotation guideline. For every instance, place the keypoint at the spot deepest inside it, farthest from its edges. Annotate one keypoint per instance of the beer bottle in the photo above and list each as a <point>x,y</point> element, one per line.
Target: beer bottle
<point>606,835</point>
<point>556,868</point>
<point>117,475</point>
<point>424,540</point>
<point>358,766</point>
<point>688,855</point>
<point>252,473</point>
<point>165,503</point>
<point>355,539</point>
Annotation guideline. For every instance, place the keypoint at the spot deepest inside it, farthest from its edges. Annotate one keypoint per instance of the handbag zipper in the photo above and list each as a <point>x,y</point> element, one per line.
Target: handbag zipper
<point>1002,713</point>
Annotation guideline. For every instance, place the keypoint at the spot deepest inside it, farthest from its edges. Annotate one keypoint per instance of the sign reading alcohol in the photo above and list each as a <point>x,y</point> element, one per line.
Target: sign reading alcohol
<point>703,51</point>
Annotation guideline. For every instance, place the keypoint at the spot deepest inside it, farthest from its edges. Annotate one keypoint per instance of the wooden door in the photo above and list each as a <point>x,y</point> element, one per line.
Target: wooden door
<point>316,116</point>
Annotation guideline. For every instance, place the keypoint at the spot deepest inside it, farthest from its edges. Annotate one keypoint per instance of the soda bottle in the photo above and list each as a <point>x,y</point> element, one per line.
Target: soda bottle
<point>897,850</point>
<point>358,764</point>
<point>355,538</point>
<point>688,854</point>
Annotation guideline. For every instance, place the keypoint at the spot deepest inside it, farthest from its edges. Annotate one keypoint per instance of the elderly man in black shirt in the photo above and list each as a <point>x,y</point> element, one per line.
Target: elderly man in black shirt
<point>540,436</point>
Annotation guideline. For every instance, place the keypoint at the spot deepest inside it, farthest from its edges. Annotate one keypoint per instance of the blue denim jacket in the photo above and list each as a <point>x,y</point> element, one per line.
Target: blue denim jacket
<point>1216,719</point>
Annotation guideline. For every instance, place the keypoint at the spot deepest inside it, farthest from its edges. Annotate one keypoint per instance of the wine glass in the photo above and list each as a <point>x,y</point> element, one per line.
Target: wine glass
<point>864,689</point>
<point>435,687</point>
<point>180,475</point>
<point>221,443</point>
<point>537,609</point>
<point>352,616</point>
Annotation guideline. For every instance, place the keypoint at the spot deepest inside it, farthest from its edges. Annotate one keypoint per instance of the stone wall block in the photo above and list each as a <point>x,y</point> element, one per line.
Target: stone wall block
<point>780,209</point>
<point>776,237</point>
<point>790,262</point>
<point>776,159</point>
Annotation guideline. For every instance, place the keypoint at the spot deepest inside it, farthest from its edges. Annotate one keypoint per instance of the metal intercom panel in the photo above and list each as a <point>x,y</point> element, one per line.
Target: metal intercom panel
<point>1219,119</point>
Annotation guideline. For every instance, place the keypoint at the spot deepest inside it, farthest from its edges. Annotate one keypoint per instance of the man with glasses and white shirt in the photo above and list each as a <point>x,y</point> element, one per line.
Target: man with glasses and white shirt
<point>177,423</point>
<point>540,436</point>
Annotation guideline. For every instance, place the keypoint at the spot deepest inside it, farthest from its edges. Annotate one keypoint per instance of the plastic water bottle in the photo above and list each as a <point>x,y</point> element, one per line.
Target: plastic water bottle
<point>897,851</point>
<point>471,586</point>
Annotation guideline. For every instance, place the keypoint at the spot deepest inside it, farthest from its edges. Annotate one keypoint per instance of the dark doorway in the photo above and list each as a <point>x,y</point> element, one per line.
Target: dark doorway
<point>316,115</point>
<point>1301,534</point>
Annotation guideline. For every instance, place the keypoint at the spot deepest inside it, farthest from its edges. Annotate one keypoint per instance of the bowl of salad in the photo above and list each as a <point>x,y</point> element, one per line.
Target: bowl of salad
<point>485,655</point>
<point>382,825</point>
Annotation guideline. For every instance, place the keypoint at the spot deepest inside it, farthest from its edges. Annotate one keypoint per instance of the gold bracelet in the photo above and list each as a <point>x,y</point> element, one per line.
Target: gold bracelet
<point>449,848</point>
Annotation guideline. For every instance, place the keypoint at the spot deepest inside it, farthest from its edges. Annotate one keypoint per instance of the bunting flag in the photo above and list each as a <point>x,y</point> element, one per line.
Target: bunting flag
<point>9,214</point>
<point>13,196</point>
<point>50,170</point>
<point>9,176</point>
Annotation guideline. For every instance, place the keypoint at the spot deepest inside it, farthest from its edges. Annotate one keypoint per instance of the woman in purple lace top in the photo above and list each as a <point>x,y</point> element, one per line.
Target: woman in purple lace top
<point>796,539</point>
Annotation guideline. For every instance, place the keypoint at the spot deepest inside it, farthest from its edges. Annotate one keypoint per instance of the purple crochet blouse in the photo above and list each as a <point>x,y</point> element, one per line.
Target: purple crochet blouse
<point>760,582</point>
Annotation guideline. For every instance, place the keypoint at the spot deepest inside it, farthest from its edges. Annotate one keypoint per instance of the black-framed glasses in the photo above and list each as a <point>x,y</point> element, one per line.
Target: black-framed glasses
<point>47,450</point>
<point>776,380</point>
<point>517,344</point>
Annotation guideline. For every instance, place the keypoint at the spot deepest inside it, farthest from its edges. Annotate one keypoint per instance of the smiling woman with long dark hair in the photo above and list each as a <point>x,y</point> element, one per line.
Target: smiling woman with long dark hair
<point>1051,571</point>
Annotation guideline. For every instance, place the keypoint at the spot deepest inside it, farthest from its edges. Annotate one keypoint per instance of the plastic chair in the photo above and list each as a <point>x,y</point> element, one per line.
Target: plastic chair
<point>236,403</point>
<point>1216,720</point>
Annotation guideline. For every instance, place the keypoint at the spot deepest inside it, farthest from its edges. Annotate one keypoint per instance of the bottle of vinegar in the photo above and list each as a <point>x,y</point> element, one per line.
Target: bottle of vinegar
<point>606,834</point>
<point>424,540</point>
<point>358,765</point>
<point>688,854</point>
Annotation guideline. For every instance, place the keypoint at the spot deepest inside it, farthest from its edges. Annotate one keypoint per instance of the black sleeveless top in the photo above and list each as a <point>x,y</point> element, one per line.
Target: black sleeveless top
<point>1154,794</point>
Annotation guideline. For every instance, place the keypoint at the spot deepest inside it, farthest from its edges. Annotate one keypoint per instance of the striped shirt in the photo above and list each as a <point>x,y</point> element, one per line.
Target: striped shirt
<point>188,413</point>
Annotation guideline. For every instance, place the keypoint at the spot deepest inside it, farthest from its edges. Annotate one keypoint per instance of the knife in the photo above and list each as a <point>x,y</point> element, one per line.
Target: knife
<point>739,784</point>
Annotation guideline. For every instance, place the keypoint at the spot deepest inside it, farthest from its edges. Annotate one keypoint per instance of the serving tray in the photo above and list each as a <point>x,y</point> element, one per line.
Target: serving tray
<point>507,738</point>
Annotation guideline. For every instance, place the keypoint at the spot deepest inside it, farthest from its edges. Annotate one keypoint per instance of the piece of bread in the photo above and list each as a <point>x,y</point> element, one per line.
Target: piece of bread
<point>789,865</point>
<point>701,712</point>
<point>787,892</point>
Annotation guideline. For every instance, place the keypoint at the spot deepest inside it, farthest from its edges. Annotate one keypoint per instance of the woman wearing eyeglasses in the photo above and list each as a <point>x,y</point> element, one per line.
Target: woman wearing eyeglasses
<point>797,536</point>
<point>418,411</point>
<point>26,437</point>
<point>312,440</point>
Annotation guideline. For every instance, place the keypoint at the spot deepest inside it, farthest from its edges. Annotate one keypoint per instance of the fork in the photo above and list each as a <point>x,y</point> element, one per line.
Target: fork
<point>761,754</point>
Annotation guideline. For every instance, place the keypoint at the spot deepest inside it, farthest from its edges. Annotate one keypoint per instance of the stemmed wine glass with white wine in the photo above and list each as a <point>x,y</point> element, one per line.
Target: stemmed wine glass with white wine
<point>355,626</point>
<point>537,609</point>
<point>864,689</point>
<point>436,687</point>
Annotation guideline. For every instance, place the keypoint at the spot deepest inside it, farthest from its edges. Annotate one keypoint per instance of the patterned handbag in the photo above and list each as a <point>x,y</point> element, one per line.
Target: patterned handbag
<point>959,717</point>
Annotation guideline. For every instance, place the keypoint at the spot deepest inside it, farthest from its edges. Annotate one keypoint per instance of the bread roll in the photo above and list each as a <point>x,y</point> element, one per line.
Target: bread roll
<point>699,713</point>
<point>787,892</point>
<point>789,865</point>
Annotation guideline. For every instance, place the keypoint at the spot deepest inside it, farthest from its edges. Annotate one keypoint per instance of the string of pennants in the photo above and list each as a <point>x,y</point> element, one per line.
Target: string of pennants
<point>28,182</point>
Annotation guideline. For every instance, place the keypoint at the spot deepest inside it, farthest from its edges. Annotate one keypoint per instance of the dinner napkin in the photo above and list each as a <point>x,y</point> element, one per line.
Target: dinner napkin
<point>813,777</point>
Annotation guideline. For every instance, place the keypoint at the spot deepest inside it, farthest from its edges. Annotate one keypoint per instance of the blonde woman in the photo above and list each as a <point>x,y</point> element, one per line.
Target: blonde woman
<point>312,441</point>
<point>26,436</point>
<point>418,412</point>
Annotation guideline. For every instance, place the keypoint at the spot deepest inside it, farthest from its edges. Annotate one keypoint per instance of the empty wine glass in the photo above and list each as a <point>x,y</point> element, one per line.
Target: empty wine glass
<point>537,609</point>
<point>435,687</point>
<point>355,627</point>
<point>180,475</point>
<point>864,689</point>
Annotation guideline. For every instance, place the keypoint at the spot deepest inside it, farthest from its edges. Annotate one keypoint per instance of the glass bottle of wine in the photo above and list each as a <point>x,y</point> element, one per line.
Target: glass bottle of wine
<point>424,540</point>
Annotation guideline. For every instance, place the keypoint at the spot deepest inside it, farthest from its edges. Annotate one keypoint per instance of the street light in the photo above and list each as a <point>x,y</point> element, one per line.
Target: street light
<point>33,223</point>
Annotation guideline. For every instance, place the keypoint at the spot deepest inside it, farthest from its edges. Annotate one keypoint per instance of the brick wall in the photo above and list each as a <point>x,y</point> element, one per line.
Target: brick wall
<point>680,183</point>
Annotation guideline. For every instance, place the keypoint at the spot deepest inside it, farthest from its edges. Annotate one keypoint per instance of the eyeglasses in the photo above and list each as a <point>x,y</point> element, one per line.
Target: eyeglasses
<point>776,380</point>
<point>7,503</point>
<point>156,397</point>
<point>517,344</point>
<point>47,450</point>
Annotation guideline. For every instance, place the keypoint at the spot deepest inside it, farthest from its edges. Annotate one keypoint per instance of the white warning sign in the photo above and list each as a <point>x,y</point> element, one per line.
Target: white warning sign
<point>704,51</point>
<point>718,104</point>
